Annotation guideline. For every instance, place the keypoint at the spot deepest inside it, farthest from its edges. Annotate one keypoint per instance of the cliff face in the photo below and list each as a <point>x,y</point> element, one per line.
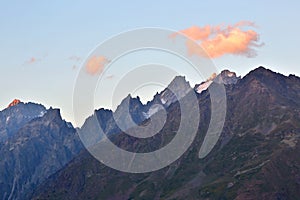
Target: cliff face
<point>38,149</point>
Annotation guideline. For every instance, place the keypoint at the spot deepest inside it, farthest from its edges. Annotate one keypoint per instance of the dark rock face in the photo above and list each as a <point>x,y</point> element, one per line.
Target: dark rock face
<point>128,113</point>
<point>131,112</point>
<point>16,116</point>
<point>255,158</point>
<point>38,149</point>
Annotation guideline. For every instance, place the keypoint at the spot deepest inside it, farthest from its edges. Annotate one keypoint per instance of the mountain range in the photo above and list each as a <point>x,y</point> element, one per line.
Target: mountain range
<point>256,156</point>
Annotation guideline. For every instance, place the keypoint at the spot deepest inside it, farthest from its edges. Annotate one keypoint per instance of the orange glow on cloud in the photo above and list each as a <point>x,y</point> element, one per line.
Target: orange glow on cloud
<point>197,33</point>
<point>236,42</point>
<point>96,64</point>
<point>217,41</point>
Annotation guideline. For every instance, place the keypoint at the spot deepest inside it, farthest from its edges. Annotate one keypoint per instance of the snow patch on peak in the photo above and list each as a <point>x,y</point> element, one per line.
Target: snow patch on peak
<point>42,113</point>
<point>231,74</point>
<point>7,119</point>
<point>226,77</point>
<point>163,101</point>
<point>154,109</point>
<point>202,87</point>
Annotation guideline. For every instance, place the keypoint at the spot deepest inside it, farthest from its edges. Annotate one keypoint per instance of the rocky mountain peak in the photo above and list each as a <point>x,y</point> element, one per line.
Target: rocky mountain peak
<point>39,141</point>
<point>14,102</point>
<point>16,116</point>
<point>53,113</point>
<point>178,86</point>
<point>227,77</point>
<point>179,82</point>
<point>262,73</point>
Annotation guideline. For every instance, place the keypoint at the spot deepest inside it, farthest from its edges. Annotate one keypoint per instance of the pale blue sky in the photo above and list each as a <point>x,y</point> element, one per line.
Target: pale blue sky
<point>55,31</point>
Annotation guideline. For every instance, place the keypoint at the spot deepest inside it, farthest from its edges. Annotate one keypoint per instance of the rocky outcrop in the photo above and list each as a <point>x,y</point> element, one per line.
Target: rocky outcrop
<point>14,102</point>
<point>15,117</point>
<point>226,77</point>
<point>38,149</point>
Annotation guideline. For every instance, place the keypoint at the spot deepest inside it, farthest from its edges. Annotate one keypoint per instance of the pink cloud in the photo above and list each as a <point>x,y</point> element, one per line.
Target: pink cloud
<point>96,64</point>
<point>217,41</point>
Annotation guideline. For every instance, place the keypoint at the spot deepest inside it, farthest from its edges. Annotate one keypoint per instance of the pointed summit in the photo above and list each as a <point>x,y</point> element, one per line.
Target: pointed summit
<point>14,102</point>
<point>226,77</point>
<point>179,82</point>
<point>16,115</point>
<point>176,90</point>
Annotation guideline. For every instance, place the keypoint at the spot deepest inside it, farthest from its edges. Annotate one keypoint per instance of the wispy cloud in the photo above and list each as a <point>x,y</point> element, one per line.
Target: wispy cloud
<point>221,40</point>
<point>32,60</point>
<point>96,64</point>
